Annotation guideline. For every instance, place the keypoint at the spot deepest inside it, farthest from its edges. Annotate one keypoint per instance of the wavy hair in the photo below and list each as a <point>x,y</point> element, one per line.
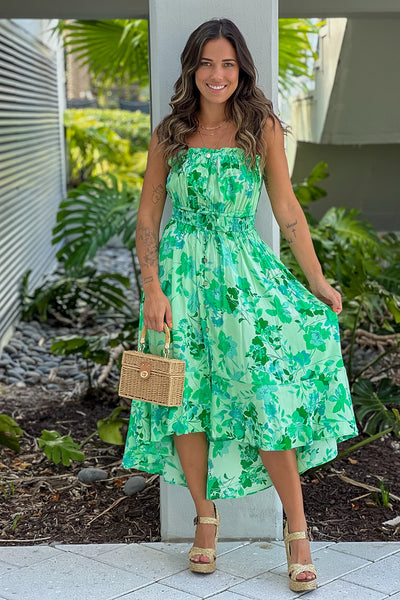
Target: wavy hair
<point>248,107</point>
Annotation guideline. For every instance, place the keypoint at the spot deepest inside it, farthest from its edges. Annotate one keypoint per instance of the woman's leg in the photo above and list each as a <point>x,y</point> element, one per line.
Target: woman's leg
<point>192,450</point>
<point>282,469</point>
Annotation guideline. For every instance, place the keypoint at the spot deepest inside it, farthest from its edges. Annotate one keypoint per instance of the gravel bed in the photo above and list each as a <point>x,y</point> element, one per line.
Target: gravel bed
<point>27,360</point>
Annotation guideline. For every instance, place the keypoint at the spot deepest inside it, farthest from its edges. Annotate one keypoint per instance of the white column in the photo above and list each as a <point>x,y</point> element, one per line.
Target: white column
<point>171,21</point>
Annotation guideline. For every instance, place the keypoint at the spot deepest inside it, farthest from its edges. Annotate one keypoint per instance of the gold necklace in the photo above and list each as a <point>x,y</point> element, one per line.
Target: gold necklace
<point>212,128</point>
<point>203,133</point>
<point>216,143</point>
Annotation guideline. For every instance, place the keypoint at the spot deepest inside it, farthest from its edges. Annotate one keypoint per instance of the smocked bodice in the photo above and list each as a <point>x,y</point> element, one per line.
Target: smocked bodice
<point>216,181</point>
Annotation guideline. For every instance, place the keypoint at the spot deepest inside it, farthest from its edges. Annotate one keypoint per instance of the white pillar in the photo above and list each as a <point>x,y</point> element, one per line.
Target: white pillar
<point>171,21</point>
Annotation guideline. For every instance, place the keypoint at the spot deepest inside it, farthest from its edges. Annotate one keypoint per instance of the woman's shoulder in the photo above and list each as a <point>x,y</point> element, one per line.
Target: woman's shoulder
<point>273,132</point>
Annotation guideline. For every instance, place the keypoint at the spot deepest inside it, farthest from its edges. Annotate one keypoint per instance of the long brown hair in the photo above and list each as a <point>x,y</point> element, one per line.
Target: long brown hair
<point>248,107</point>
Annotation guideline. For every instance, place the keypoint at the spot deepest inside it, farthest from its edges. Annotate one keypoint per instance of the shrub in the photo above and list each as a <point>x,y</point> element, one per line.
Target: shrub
<point>107,141</point>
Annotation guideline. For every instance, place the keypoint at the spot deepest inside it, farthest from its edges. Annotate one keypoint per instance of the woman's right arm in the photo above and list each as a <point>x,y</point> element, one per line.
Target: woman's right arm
<point>156,305</point>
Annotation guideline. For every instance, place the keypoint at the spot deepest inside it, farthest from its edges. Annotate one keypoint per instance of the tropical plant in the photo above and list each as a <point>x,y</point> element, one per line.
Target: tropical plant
<point>66,294</point>
<point>94,349</point>
<point>9,433</point>
<point>93,213</point>
<point>60,448</point>
<point>132,126</point>
<point>296,55</point>
<point>116,51</point>
<point>354,259</point>
<point>364,267</point>
<point>103,141</point>
<point>109,429</point>
<point>374,409</point>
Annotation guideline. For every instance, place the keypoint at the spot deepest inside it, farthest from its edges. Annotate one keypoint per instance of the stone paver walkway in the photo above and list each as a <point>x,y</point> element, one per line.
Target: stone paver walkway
<point>155,571</point>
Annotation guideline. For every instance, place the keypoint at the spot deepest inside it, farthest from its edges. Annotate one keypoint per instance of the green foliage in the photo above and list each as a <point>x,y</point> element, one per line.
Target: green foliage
<point>373,407</point>
<point>101,141</point>
<point>365,268</point>
<point>72,289</point>
<point>383,499</point>
<point>9,433</point>
<point>92,348</point>
<point>109,429</point>
<point>353,258</point>
<point>308,191</point>
<point>115,51</point>
<point>390,275</point>
<point>7,489</point>
<point>131,126</point>
<point>295,52</point>
<point>60,448</point>
<point>92,214</point>
<point>15,522</point>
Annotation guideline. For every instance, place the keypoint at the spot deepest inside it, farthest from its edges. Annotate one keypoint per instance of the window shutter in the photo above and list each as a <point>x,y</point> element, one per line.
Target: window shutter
<point>32,178</point>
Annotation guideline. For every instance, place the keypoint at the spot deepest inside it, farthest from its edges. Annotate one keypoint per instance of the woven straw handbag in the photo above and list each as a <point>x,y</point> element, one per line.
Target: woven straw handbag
<point>152,378</point>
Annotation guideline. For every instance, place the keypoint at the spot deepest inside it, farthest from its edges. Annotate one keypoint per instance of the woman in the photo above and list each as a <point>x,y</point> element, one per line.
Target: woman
<point>266,395</point>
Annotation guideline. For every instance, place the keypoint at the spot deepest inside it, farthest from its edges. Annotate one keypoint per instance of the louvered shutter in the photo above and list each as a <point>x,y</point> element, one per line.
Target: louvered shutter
<point>31,163</point>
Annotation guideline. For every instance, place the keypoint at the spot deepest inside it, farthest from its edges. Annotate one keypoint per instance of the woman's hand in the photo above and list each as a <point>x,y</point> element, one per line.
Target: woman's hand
<point>327,294</point>
<point>156,310</point>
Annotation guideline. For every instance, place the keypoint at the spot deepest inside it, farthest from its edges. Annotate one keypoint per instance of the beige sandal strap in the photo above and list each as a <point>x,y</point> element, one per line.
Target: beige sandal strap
<point>296,568</point>
<point>296,535</point>
<point>205,520</point>
<point>208,552</point>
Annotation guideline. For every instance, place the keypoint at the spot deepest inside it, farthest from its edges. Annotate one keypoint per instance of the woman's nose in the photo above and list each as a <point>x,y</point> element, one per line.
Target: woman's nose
<point>217,72</point>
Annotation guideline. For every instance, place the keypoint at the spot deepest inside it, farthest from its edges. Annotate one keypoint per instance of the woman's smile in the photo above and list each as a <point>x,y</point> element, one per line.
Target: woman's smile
<point>216,88</point>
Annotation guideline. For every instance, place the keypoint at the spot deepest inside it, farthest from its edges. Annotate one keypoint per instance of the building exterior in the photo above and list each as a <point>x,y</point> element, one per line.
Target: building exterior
<point>350,120</point>
<point>32,175</point>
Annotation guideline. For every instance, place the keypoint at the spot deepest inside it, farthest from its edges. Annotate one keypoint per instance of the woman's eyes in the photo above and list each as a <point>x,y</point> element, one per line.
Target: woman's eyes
<point>208,64</point>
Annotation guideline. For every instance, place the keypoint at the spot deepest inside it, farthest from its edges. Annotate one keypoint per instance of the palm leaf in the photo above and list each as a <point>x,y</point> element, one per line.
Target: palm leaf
<point>371,407</point>
<point>92,214</point>
<point>116,51</point>
<point>295,52</point>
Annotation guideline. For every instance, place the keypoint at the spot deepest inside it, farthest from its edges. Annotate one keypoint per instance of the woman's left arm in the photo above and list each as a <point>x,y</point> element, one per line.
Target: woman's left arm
<point>290,216</point>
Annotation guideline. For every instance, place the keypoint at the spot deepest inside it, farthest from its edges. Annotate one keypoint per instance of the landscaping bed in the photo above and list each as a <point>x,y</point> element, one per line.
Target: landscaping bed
<point>46,503</point>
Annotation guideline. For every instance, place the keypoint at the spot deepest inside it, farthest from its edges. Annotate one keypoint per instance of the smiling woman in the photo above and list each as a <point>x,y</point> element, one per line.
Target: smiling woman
<point>266,395</point>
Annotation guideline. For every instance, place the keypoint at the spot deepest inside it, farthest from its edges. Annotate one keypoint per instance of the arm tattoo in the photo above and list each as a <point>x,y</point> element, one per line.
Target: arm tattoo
<point>150,245</point>
<point>292,226</point>
<point>158,194</point>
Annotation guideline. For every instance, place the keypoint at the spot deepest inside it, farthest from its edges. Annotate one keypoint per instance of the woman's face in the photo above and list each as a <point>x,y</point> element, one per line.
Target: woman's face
<point>217,75</point>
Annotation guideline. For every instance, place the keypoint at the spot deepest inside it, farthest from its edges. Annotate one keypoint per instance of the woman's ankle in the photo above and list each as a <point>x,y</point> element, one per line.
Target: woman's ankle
<point>205,508</point>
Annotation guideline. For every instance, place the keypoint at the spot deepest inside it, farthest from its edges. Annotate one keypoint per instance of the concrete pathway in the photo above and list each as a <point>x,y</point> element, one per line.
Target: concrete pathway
<point>257,570</point>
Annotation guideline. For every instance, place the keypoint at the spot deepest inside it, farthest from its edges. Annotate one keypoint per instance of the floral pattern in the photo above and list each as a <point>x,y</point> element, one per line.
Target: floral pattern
<point>263,361</point>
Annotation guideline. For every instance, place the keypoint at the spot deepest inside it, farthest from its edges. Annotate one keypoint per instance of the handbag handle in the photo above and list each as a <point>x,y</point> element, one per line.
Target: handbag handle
<point>166,344</point>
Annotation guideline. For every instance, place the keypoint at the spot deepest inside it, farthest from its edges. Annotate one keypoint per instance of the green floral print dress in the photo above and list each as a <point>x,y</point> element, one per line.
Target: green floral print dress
<point>263,361</point>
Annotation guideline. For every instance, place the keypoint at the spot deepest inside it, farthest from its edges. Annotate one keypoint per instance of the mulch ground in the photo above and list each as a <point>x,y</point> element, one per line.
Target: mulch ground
<point>45,503</point>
